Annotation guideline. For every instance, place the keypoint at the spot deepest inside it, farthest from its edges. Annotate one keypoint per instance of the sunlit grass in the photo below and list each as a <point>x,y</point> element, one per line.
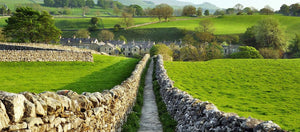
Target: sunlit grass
<point>104,73</point>
<point>263,89</point>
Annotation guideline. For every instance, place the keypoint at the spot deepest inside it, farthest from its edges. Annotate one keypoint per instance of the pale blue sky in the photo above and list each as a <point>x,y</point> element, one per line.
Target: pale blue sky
<point>275,4</point>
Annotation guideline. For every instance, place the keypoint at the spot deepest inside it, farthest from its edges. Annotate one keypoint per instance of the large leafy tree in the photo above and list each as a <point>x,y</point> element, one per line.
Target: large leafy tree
<point>127,19</point>
<point>90,3</point>
<point>136,10</point>
<point>268,33</point>
<point>285,9</point>
<point>189,10</point>
<point>162,11</point>
<point>106,35</point>
<point>28,25</point>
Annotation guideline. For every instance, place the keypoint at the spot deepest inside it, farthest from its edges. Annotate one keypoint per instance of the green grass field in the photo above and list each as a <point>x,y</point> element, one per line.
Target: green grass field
<point>84,23</point>
<point>232,24</point>
<point>263,89</point>
<point>104,73</point>
<point>13,3</point>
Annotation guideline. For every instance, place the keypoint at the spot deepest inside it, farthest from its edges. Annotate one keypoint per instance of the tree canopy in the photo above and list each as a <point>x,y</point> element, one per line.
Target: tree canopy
<point>163,50</point>
<point>162,11</point>
<point>189,10</point>
<point>28,25</point>
<point>268,33</point>
<point>106,35</point>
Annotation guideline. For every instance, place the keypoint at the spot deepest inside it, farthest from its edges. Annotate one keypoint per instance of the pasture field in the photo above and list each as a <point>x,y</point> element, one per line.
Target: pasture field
<point>13,3</point>
<point>232,24</point>
<point>104,73</point>
<point>261,88</point>
<point>84,23</point>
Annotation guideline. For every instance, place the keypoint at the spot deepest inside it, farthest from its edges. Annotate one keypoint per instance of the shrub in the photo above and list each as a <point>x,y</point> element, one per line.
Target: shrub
<point>269,53</point>
<point>162,49</point>
<point>247,52</point>
<point>296,55</point>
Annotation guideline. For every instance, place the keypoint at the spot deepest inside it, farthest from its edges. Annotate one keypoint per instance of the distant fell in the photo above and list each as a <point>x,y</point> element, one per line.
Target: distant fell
<point>174,3</point>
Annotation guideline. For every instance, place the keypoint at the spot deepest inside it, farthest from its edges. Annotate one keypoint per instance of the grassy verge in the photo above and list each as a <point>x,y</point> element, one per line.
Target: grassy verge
<point>168,123</point>
<point>263,89</point>
<point>104,73</point>
<point>133,119</point>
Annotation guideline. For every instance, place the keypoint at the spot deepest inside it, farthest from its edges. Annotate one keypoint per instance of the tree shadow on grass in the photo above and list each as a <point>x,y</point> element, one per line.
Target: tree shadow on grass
<point>103,79</point>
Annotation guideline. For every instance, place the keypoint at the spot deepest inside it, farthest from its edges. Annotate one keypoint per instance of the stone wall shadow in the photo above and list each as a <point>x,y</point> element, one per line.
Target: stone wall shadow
<point>101,80</point>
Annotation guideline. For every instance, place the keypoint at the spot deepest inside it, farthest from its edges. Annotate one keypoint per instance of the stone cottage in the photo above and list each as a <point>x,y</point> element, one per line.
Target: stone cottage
<point>87,43</point>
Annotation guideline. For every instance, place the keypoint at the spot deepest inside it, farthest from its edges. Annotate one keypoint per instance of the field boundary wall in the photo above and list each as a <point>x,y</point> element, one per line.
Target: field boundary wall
<point>14,52</point>
<point>195,115</point>
<point>66,110</point>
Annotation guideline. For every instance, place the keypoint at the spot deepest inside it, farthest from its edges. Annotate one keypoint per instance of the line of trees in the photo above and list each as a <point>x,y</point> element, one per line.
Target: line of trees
<point>292,10</point>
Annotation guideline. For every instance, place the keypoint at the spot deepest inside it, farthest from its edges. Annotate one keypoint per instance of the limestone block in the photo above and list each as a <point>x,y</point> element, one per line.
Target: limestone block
<point>39,110</point>
<point>17,126</point>
<point>53,105</point>
<point>59,128</point>
<point>4,119</point>
<point>93,99</point>
<point>34,121</point>
<point>66,127</point>
<point>29,109</point>
<point>14,104</point>
<point>76,122</point>
<point>56,122</point>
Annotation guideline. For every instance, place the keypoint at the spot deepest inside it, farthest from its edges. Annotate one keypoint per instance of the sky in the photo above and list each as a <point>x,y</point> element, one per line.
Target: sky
<point>258,4</point>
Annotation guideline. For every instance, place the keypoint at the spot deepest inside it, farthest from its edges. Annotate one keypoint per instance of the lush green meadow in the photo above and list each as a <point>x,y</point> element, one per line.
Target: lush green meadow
<point>104,73</point>
<point>13,3</point>
<point>232,24</point>
<point>263,89</point>
<point>84,23</point>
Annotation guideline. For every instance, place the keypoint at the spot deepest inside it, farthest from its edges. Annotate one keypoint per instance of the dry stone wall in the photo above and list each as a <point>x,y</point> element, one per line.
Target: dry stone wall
<point>42,52</point>
<point>66,110</point>
<point>44,55</point>
<point>195,115</point>
<point>49,47</point>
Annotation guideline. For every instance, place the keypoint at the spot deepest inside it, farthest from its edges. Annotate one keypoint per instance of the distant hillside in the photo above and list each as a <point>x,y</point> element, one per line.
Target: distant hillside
<point>141,3</point>
<point>174,3</point>
<point>13,3</point>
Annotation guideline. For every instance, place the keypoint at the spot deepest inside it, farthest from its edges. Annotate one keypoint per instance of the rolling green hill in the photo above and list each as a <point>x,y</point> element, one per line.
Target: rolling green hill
<point>104,73</point>
<point>263,89</point>
<point>232,24</point>
<point>12,4</point>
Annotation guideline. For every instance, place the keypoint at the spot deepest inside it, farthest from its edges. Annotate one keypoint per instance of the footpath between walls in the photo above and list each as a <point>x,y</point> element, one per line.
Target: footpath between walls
<point>66,110</point>
<point>195,115</point>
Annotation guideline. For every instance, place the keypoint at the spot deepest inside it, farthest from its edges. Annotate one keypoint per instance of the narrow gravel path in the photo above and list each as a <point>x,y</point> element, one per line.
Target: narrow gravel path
<point>149,120</point>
